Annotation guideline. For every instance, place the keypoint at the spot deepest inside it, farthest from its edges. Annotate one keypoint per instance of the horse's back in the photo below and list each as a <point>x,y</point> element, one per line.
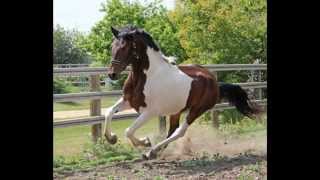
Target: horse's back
<point>194,70</point>
<point>204,91</point>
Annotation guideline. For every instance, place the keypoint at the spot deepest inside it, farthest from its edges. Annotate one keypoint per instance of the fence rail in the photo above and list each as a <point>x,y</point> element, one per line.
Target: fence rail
<point>82,96</point>
<point>70,65</point>
<point>96,95</point>
<point>103,70</point>
<point>100,119</point>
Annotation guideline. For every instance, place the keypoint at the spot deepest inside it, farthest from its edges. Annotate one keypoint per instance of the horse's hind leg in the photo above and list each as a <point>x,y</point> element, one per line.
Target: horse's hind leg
<point>174,123</point>
<point>179,132</point>
<point>193,114</point>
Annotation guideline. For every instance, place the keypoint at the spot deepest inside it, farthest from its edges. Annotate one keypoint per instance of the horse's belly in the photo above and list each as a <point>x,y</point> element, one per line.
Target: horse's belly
<point>170,104</point>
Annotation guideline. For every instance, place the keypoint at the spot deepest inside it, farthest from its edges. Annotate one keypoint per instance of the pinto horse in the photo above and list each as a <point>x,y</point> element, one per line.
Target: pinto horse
<point>156,87</point>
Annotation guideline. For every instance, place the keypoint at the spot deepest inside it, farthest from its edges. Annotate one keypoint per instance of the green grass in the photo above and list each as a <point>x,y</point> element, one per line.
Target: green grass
<point>93,155</point>
<point>74,150</point>
<point>243,127</point>
<point>159,178</point>
<point>84,104</point>
<point>252,171</point>
<point>70,140</point>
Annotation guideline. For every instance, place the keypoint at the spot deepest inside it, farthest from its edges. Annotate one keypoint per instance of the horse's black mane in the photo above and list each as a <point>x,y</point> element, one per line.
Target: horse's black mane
<point>129,30</point>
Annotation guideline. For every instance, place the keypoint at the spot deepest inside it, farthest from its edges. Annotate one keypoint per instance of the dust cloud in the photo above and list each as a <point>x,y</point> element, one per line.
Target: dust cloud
<point>201,139</point>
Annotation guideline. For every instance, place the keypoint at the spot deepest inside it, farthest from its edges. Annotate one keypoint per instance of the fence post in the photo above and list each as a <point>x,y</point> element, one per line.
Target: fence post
<point>215,113</point>
<point>95,107</point>
<point>162,125</point>
<point>252,91</point>
<point>258,72</point>
<point>260,89</point>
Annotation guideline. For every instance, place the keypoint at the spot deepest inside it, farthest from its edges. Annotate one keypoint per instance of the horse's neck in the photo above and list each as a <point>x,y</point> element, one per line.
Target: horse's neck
<point>156,62</point>
<point>156,65</point>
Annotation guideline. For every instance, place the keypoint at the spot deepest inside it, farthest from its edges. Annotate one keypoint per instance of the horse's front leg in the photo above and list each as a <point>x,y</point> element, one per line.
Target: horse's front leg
<point>129,132</point>
<point>120,105</point>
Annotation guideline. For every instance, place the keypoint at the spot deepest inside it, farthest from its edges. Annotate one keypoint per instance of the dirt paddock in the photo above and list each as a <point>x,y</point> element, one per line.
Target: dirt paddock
<point>198,155</point>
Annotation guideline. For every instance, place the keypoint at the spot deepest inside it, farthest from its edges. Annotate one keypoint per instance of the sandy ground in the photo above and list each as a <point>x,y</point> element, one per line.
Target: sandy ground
<point>241,157</point>
<point>82,113</point>
<point>225,169</point>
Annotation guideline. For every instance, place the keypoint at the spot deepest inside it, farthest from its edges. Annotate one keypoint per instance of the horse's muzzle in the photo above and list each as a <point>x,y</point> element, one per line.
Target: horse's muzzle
<point>113,76</point>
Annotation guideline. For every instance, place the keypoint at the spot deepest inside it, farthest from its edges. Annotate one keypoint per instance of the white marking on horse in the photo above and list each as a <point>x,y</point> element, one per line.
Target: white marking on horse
<point>171,59</point>
<point>129,132</point>
<point>167,88</point>
<point>178,133</point>
<point>120,105</point>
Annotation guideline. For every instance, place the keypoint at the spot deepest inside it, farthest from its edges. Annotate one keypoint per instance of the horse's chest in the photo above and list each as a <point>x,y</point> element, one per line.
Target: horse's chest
<point>168,93</point>
<point>133,93</point>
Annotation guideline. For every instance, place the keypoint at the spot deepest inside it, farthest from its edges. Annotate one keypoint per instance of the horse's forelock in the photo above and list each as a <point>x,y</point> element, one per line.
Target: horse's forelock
<point>128,30</point>
<point>133,30</point>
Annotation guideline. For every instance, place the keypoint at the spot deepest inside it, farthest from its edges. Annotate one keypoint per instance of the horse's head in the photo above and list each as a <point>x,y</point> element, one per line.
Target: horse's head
<point>129,47</point>
<point>125,50</point>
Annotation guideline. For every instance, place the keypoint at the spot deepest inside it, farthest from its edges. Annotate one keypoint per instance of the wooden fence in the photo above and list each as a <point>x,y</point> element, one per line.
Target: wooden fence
<point>70,65</point>
<point>96,118</point>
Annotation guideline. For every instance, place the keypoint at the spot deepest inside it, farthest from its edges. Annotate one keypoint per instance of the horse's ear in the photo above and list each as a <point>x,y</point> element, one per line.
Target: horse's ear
<point>114,32</point>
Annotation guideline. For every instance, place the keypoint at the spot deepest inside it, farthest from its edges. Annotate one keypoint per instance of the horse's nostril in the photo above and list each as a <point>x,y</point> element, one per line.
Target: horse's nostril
<point>112,75</point>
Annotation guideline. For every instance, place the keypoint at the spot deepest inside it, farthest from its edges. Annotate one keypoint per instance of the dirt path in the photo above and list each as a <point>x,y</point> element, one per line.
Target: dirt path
<point>248,166</point>
<point>231,158</point>
<point>81,113</point>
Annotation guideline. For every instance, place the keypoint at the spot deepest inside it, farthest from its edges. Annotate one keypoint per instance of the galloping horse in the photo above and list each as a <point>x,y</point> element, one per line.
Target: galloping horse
<point>156,87</point>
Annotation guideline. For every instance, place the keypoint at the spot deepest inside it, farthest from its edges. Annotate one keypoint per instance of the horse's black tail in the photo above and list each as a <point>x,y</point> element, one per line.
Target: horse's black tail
<point>239,98</point>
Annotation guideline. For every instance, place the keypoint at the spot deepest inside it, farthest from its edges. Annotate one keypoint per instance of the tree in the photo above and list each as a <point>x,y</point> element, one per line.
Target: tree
<point>66,47</point>
<point>152,17</point>
<point>222,31</point>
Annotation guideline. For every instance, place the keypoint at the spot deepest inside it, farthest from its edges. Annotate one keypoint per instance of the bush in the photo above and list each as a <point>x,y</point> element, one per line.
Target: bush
<point>60,87</point>
<point>97,64</point>
<point>230,116</point>
<point>245,125</point>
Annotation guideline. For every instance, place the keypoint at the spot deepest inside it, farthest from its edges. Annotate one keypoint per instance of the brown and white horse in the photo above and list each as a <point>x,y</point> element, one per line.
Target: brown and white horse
<point>156,87</point>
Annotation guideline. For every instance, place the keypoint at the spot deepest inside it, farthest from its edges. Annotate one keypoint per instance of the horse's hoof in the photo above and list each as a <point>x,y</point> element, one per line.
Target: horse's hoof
<point>165,146</point>
<point>144,157</point>
<point>149,155</point>
<point>113,138</point>
<point>147,142</point>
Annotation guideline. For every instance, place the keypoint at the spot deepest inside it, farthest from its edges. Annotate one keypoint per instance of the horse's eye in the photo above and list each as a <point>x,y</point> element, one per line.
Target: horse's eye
<point>122,43</point>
